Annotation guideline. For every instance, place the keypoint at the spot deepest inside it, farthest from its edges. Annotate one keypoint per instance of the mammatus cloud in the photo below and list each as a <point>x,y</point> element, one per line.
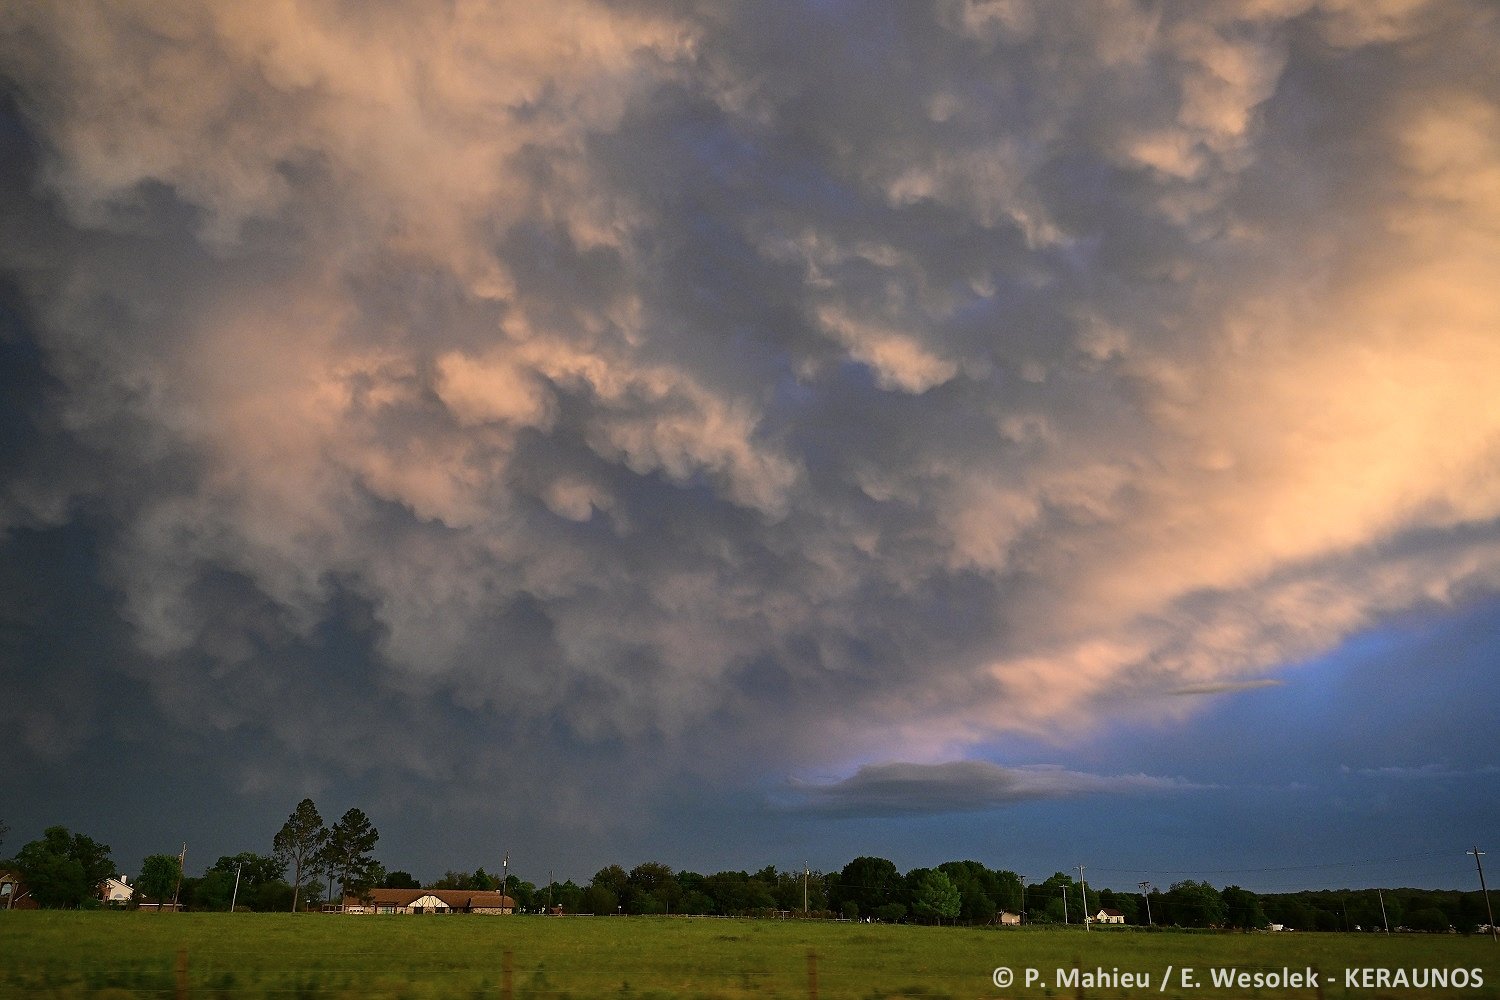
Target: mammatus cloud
<point>638,388</point>
<point>901,789</point>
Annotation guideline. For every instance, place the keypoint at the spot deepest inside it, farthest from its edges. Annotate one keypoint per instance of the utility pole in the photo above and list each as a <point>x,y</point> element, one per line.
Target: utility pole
<point>1383,919</point>
<point>181,865</point>
<point>1084,886</point>
<point>236,897</point>
<point>1484,889</point>
<point>806,872</point>
<point>1065,904</point>
<point>1022,880</point>
<point>505,881</point>
<point>1146,888</point>
<point>551,881</point>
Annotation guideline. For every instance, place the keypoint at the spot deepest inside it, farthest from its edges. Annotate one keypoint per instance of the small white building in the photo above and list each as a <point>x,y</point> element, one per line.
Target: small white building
<point>1109,917</point>
<point>116,890</point>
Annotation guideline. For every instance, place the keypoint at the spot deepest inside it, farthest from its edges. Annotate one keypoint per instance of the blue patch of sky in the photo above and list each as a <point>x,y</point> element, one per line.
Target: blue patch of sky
<point>1372,765</point>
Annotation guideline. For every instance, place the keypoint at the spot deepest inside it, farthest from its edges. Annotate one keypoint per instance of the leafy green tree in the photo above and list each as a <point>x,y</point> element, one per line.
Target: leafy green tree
<point>1242,908</point>
<point>216,890</point>
<point>455,880</point>
<point>653,889</point>
<point>64,869</point>
<point>978,890</point>
<point>869,882</point>
<point>313,894</point>
<point>400,880</point>
<point>1429,919</point>
<point>613,879</point>
<point>737,892</point>
<point>936,897</point>
<point>696,901</point>
<point>348,853</point>
<point>3,831</point>
<point>211,892</point>
<point>522,893</point>
<point>569,896</point>
<point>299,843</point>
<point>1047,899</point>
<point>269,897</point>
<point>598,899</point>
<point>483,880</point>
<point>1195,904</point>
<point>160,874</point>
<point>254,869</point>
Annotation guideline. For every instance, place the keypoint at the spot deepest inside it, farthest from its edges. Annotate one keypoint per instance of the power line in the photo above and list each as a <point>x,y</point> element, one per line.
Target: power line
<point>1276,868</point>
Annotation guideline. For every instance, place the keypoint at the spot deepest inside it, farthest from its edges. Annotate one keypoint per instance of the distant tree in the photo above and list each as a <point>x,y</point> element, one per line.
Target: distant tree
<point>568,895</point>
<point>64,869</point>
<point>978,890</point>
<point>455,880</point>
<point>612,878</point>
<point>653,888</point>
<point>1429,919</point>
<point>299,843</point>
<point>1242,908</point>
<point>216,890</point>
<point>1047,899</point>
<point>1195,904</point>
<point>211,892</point>
<point>696,901</point>
<point>3,831</point>
<point>850,910</point>
<point>270,897</point>
<point>483,880</point>
<point>399,880</point>
<point>1129,905</point>
<point>348,853</point>
<point>737,892</point>
<point>869,882</point>
<point>598,899</point>
<point>523,894</point>
<point>159,877</point>
<point>936,897</point>
<point>255,869</point>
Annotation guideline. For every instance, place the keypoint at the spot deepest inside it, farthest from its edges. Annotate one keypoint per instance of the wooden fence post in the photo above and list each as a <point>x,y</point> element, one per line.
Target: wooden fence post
<point>812,975</point>
<point>505,975</point>
<point>181,973</point>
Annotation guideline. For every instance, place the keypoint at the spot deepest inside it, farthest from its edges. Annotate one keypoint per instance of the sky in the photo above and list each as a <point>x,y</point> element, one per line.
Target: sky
<point>738,434</point>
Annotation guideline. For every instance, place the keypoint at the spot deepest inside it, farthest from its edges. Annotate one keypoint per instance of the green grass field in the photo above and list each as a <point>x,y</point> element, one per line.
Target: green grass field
<point>125,955</point>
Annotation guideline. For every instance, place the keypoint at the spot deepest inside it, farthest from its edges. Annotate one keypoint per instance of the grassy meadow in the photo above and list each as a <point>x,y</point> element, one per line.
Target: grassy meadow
<point>126,955</point>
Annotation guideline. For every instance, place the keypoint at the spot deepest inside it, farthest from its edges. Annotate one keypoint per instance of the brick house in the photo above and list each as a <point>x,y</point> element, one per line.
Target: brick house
<point>430,901</point>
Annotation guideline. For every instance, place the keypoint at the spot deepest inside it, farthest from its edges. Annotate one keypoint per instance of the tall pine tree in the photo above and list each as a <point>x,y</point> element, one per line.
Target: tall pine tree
<point>299,843</point>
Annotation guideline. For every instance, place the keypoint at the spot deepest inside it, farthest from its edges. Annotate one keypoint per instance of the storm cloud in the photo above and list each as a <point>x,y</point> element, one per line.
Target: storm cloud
<point>636,390</point>
<point>960,786</point>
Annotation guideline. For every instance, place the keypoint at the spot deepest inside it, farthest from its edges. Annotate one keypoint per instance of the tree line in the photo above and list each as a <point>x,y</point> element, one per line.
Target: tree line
<point>64,869</point>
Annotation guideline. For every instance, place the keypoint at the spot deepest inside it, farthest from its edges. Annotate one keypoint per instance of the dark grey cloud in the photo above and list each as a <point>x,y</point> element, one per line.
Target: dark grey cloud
<point>902,789</point>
